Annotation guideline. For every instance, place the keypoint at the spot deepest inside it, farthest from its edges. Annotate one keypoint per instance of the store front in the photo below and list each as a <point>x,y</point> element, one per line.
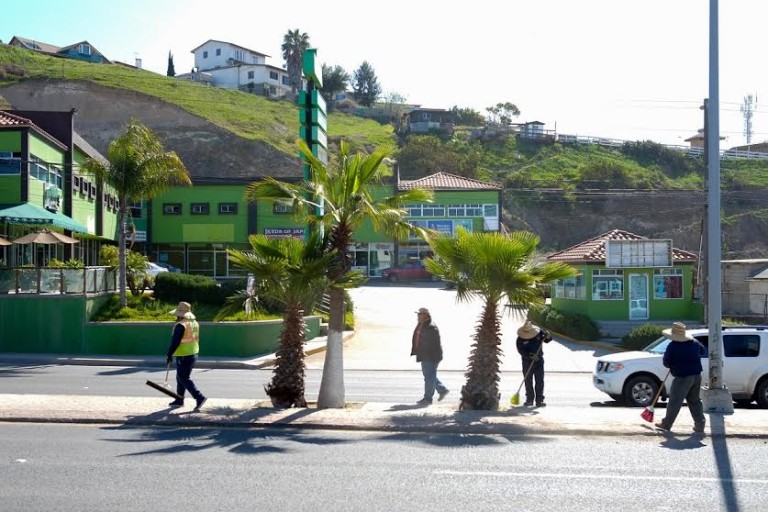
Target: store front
<point>372,258</point>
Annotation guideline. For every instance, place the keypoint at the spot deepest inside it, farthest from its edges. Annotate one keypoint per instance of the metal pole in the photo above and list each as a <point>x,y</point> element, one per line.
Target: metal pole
<point>716,397</point>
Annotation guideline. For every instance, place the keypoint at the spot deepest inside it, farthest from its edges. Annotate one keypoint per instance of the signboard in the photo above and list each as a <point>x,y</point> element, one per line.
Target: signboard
<point>638,253</point>
<point>284,232</point>
<point>310,67</point>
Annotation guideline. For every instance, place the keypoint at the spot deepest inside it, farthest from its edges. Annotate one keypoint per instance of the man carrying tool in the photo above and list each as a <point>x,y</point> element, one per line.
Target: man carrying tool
<point>185,345</point>
<point>529,345</point>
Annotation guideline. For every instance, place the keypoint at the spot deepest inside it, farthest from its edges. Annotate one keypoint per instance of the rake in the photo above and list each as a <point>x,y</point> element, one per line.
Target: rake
<point>515,399</point>
<point>163,388</point>
<point>647,413</point>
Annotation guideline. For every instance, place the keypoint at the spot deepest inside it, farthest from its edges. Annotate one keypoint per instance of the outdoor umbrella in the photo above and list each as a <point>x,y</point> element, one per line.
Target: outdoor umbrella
<point>3,242</point>
<point>45,237</point>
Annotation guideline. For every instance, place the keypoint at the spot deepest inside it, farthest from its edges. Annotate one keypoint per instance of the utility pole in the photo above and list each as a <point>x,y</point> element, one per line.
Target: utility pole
<point>716,397</point>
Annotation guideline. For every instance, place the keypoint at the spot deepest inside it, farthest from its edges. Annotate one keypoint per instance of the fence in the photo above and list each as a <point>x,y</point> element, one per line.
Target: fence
<point>80,281</point>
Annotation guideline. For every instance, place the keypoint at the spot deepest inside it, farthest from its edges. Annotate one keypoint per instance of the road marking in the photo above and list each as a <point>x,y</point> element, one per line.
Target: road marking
<point>604,477</point>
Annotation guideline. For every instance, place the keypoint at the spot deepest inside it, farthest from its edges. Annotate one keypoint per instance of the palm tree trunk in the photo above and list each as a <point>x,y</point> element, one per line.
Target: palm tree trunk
<point>481,392</point>
<point>331,394</point>
<point>287,386</point>
<point>121,254</point>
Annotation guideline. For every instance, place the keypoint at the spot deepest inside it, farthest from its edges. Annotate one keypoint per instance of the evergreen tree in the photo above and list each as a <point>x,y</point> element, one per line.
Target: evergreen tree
<point>365,85</point>
<point>171,69</point>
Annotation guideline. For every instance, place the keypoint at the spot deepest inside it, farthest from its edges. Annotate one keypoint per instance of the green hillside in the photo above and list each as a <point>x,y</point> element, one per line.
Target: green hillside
<point>275,122</point>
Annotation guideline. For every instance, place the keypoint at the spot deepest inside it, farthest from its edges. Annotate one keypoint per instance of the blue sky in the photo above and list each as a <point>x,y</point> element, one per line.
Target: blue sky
<point>625,69</point>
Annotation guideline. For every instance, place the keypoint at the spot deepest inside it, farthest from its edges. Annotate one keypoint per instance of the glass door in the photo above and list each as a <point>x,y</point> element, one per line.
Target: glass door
<point>638,297</point>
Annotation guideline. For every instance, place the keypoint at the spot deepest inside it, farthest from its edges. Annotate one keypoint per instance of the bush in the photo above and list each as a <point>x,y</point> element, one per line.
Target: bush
<point>573,325</point>
<point>640,337</point>
<point>176,287</point>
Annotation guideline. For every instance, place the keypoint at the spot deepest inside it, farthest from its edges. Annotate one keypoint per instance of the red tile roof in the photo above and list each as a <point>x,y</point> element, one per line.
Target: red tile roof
<point>593,250</point>
<point>445,181</point>
<point>8,120</point>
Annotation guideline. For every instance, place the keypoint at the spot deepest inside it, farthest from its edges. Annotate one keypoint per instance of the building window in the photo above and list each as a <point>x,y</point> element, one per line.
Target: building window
<point>250,75</point>
<point>474,210</point>
<point>273,75</point>
<point>571,288</point>
<point>171,208</point>
<point>218,51</point>
<point>607,285</point>
<point>134,209</point>
<point>282,208</point>
<point>413,210</point>
<point>227,208</point>
<point>205,54</point>
<point>76,183</point>
<point>668,283</point>
<point>85,49</point>
<point>10,166</point>
<point>200,209</point>
<point>433,211</point>
<point>286,80</point>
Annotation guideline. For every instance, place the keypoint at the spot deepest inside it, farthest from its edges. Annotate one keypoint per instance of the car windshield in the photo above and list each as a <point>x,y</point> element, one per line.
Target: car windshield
<point>658,346</point>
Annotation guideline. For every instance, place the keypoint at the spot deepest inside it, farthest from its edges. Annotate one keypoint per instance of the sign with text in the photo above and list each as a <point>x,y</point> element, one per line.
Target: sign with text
<point>284,232</point>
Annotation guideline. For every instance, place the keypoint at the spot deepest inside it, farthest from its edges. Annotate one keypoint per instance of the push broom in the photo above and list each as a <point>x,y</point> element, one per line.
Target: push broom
<point>515,399</point>
<point>163,388</point>
<point>647,413</point>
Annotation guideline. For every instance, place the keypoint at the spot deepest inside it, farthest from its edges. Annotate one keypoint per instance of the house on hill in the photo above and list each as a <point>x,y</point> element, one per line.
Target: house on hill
<point>82,50</point>
<point>627,277</point>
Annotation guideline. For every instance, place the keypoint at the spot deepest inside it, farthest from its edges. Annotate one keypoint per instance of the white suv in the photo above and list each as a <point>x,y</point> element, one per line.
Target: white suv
<point>634,377</point>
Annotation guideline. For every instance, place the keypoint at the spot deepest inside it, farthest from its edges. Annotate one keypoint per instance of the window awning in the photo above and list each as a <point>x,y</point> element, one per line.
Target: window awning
<point>30,214</point>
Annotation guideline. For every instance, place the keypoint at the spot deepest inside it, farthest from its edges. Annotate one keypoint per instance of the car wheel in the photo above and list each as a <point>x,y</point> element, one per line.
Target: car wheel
<point>640,391</point>
<point>392,278</point>
<point>761,395</point>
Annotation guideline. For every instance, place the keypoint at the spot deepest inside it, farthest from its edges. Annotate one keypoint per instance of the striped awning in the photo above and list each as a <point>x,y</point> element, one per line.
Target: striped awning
<point>30,214</point>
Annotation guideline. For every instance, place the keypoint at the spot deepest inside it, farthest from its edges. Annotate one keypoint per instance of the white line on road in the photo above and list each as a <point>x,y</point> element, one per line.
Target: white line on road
<point>603,477</point>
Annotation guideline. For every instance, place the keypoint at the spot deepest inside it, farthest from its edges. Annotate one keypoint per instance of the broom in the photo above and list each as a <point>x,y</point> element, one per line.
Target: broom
<point>163,388</point>
<point>515,399</point>
<point>647,413</point>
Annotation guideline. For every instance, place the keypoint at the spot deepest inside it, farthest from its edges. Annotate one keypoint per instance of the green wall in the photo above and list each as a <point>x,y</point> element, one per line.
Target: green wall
<point>65,330</point>
<point>10,189</point>
<point>10,141</point>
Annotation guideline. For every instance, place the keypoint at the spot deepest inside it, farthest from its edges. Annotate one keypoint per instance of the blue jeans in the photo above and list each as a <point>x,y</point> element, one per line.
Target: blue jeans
<point>431,382</point>
<point>688,389</point>
<point>184,366</point>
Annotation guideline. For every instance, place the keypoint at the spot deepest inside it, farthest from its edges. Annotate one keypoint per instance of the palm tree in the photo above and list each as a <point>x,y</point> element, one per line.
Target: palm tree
<point>492,267</point>
<point>138,168</point>
<point>294,45</point>
<point>292,273</point>
<point>340,199</point>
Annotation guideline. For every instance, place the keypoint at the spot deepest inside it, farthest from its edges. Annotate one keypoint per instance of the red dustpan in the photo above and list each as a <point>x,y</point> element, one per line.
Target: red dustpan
<point>647,413</point>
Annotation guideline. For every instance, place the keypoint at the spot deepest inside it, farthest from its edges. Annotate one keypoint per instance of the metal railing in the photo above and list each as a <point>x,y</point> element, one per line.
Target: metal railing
<point>72,281</point>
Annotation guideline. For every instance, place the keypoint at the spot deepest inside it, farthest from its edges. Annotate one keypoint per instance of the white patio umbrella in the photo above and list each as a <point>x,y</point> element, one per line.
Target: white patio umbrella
<point>4,242</point>
<point>45,237</point>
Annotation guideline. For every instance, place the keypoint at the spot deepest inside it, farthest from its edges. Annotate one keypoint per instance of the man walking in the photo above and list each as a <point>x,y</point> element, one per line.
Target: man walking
<point>185,345</point>
<point>683,358</point>
<point>426,346</point>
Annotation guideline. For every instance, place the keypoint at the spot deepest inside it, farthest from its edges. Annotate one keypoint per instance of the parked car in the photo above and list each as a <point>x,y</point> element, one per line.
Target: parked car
<point>414,271</point>
<point>168,267</point>
<point>153,269</point>
<point>634,377</point>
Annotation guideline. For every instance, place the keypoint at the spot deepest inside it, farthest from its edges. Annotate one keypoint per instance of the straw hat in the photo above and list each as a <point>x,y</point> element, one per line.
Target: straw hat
<point>182,310</point>
<point>424,311</point>
<point>677,332</point>
<point>527,331</point>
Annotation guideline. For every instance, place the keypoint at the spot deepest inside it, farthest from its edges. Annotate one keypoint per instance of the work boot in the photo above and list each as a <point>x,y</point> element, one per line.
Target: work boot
<point>528,403</point>
<point>699,427</point>
<point>424,401</point>
<point>661,426</point>
<point>441,394</point>
<point>541,404</point>
<point>177,403</point>
<point>200,402</point>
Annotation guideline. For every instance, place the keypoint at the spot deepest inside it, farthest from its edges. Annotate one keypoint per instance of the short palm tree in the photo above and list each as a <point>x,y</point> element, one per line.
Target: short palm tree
<point>294,45</point>
<point>492,267</point>
<point>339,199</point>
<point>292,273</point>
<point>138,168</point>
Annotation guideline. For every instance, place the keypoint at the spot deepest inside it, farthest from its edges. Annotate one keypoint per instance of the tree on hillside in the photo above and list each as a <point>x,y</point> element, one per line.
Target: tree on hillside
<point>335,79</point>
<point>491,267</point>
<point>467,116</point>
<point>171,69</point>
<point>349,194</point>
<point>394,105</point>
<point>295,43</point>
<point>138,168</point>
<point>365,85</point>
<point>422,155</point>
<point>501,114</point>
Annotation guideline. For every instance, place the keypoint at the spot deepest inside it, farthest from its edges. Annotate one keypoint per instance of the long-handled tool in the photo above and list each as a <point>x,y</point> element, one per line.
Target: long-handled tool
<point>647,413</point>
<point>163,388</point>
<point>515,399</point>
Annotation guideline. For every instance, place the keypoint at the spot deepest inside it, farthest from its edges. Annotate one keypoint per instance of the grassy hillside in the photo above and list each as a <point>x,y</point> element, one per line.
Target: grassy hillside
<point>275,122</point>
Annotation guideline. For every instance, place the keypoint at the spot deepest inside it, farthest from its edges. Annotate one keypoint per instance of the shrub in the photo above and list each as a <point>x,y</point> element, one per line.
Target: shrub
<point>574,325</point>
<point>176,287</point>
<point>641,336</point>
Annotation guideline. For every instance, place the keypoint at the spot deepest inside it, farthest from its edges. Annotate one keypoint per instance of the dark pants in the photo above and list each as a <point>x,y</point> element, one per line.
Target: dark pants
<point>184,366</point>
<point>688,389</point>
<point>534,392</point>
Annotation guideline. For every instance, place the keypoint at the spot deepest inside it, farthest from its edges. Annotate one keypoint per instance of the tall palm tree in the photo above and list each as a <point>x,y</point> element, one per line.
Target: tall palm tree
<point>492,267</point>
<point>138,168</point>
<point>292,273</point>
<point>294,45</point>
<point>339,199</point>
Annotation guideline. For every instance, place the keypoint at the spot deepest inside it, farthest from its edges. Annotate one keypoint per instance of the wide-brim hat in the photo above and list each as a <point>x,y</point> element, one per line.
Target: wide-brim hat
<point>182,310</point>
<point>424,311</point>
<point>527,331</point>
<point>677,332</point>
